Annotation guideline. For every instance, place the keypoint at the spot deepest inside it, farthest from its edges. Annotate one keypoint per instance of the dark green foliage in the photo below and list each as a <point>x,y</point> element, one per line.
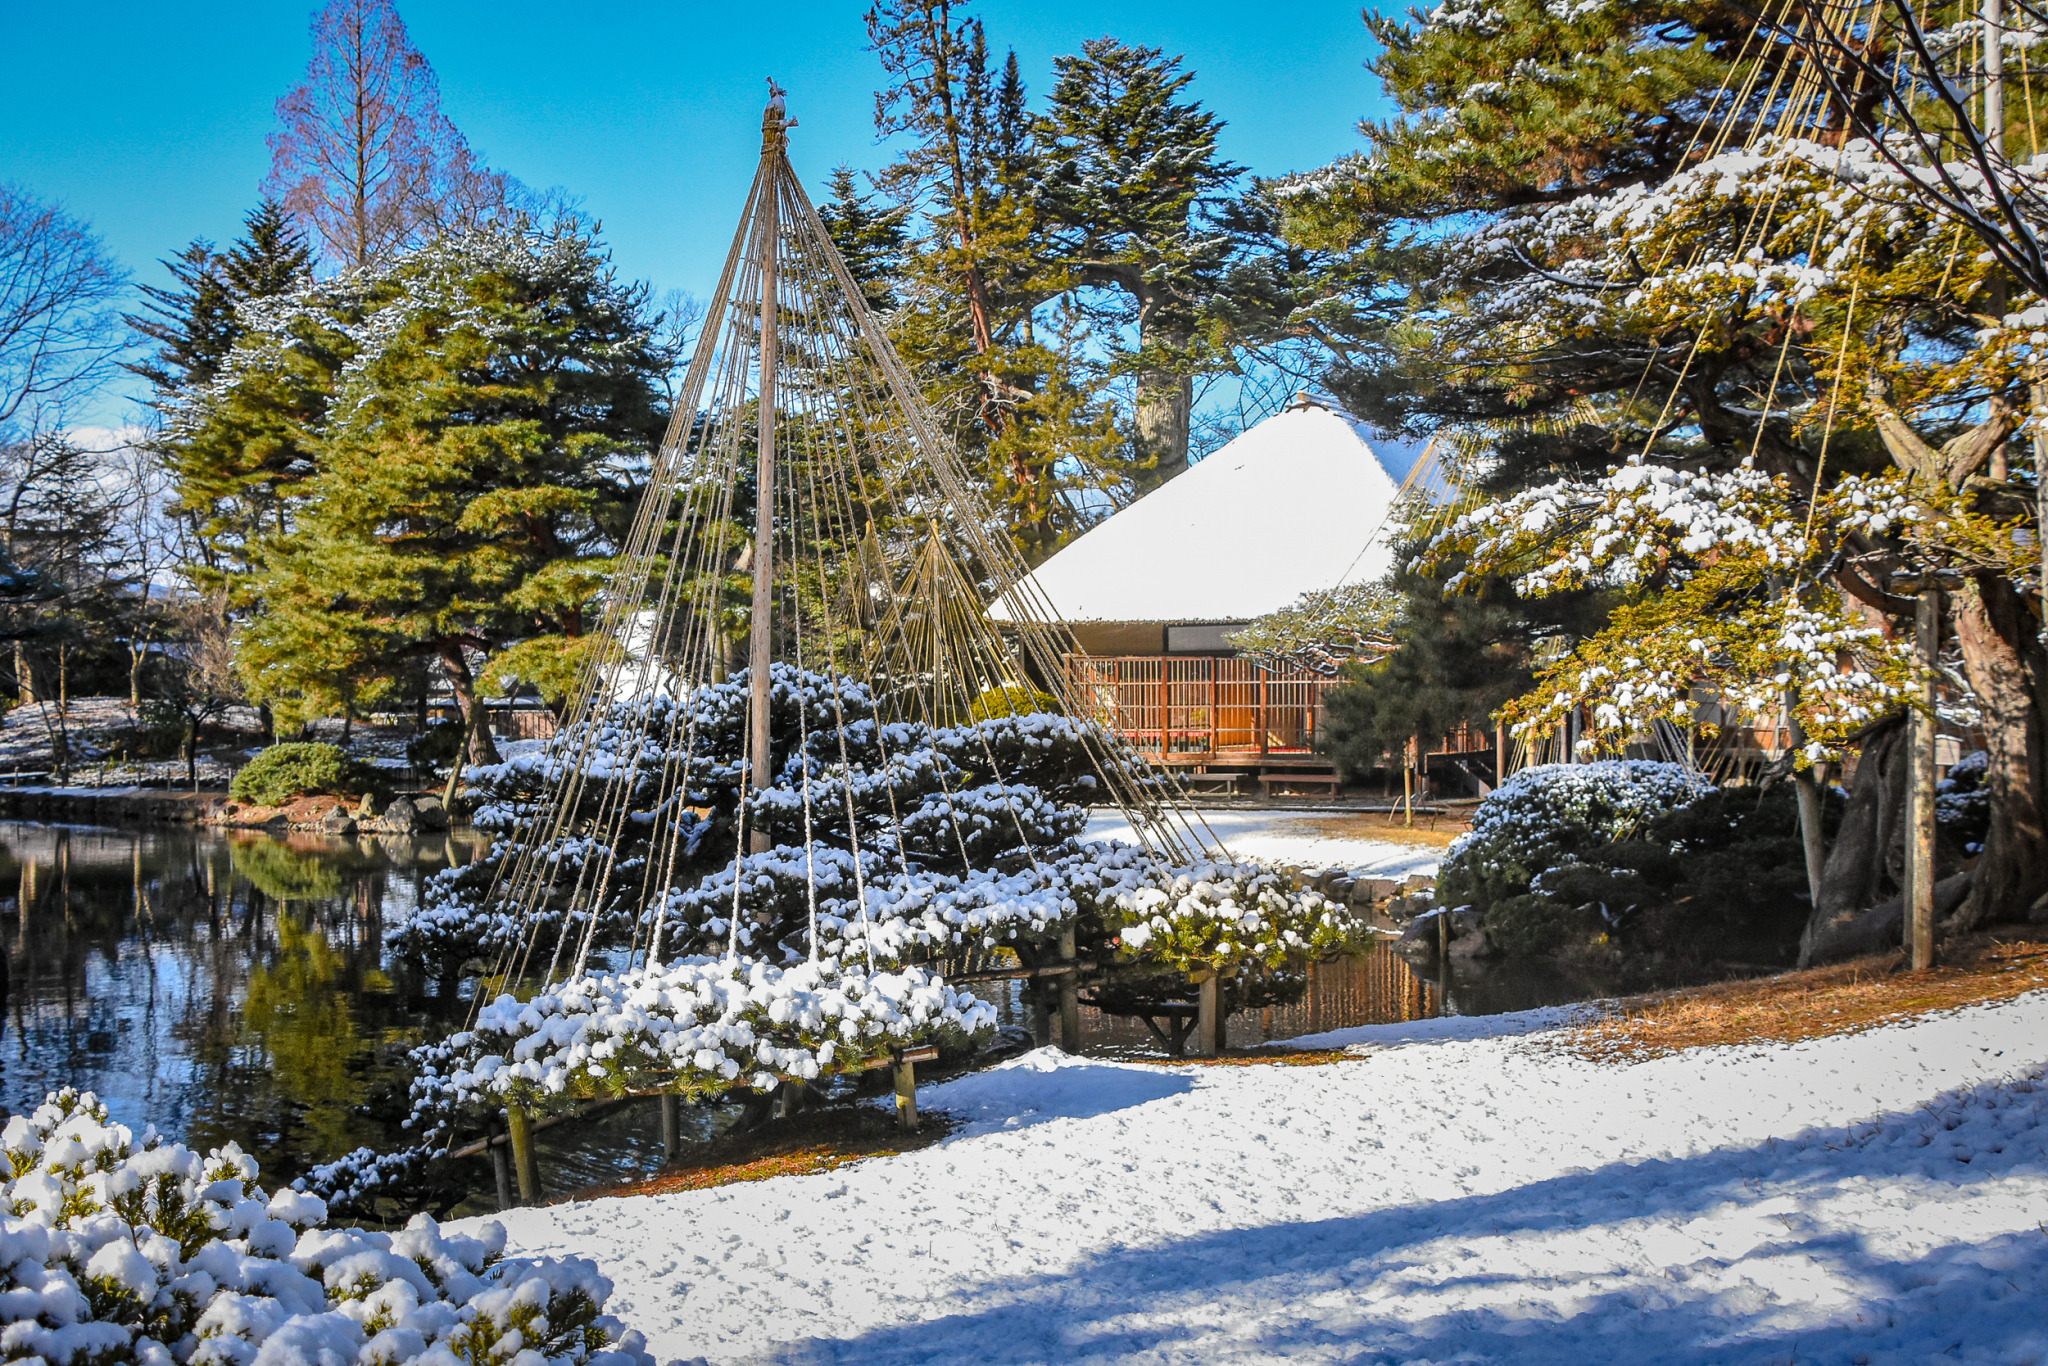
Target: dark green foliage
<point>194,324</point>
<point>1456,659</point>
<point>298,768</point>
<point>1719,878</point>
<point>871,239</point>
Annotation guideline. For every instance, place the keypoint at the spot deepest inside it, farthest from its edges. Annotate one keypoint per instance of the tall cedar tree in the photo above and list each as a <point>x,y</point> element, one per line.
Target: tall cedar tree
<point>1126,168</point>
<point>477,464</point>
<point>232,469</point>
<point>871,239</point>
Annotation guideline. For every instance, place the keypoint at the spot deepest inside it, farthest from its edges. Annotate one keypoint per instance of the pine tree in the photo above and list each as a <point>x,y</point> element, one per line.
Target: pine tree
<point>476,465</point>
<point>193,323</point>
<point>271,258</point>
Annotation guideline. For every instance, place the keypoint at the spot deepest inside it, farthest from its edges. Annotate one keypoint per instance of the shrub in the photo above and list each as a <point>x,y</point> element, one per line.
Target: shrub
<point>298,769</point>
<point>118,1250</point>
<point>1014,699</point>
<point>1552,816</point>
<point>1644,852</point>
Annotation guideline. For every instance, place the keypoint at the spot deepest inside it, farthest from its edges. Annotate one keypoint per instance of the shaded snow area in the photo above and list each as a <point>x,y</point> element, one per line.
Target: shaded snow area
<point>1310,838</point>
<point>1879,1197</point>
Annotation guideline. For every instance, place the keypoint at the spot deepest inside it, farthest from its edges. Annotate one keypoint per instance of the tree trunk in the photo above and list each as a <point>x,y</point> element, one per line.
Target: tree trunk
<point>1164,403</point>
<point>1866,848</point>
<point>24,676</point>
<point>2001,657</point>
<point>481,750</point>
<point>135,658</point>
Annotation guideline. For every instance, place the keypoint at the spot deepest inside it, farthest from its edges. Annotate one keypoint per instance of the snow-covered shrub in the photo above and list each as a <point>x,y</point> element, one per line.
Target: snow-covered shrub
<point>696,1027</point>
<point>115,1249</point>
<point>1645,854</point>
<point>1223,915</point>
<point>1550,816</point>
<point>928,810</point>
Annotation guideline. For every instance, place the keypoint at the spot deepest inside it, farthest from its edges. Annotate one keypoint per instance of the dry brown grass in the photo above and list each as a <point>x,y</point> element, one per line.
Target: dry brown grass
<point>1372,825</point>
<point>815,1141</point>
<point>1843,999</point>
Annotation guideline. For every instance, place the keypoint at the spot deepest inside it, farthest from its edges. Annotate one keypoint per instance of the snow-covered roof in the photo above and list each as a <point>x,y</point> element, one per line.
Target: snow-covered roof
<point>1298,503</point>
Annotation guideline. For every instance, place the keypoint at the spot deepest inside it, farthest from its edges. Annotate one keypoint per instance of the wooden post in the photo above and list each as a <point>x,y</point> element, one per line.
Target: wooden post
<point>1443,934</point>
<point>520,1125</point>
<point>671,1127</point>
<point>1926,586</point>
<point>1070,995</point>
<point>1262,711</point>
<point>1209,1029</point>
<point>768,230</point>
<point>1408,782</point>
<point>906,1095</point>
<point>1212,706</point>
<point>501,1168</point>
<point>1926,626</point>
<point>789,1098</point>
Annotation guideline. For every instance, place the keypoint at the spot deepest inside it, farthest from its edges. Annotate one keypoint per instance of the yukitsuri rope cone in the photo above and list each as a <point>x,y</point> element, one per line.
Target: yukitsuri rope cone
<point>802,771</point>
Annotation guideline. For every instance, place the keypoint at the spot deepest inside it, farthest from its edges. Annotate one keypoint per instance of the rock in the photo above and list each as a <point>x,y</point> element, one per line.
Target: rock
<point>1381,888</point>
<point>1339,889</point>
<point>1408,907</point>
<point>433,816</point>
<point>337,822</point>
<point>400,818</point>
<point>1419,882</point>
<point>1328,878</point>
<point>1465,921</point>
<point>1473,945</point>
<point>1361,893</point>
<point>369,808</point>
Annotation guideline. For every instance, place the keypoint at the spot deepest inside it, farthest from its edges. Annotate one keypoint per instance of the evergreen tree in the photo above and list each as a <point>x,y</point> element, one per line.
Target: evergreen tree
<point>1016,395</point>
<point>194,324</point>
<point>1126,168</point>
<point>477,460</point>
<point>871,239</point>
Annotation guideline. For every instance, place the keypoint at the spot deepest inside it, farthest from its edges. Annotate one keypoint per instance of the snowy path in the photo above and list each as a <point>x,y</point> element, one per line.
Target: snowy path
<point>1291,835</point>
<point>1439,1198</point>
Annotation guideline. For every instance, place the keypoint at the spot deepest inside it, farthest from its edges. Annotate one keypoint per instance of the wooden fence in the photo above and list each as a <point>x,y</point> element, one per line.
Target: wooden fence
<point>1184,708</point>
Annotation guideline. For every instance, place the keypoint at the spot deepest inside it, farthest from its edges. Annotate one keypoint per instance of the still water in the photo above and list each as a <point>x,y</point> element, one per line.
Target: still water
<point>232,985</point>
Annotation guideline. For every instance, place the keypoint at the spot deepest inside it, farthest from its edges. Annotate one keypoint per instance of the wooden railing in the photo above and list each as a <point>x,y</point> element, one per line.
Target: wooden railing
<point>1181,708</point>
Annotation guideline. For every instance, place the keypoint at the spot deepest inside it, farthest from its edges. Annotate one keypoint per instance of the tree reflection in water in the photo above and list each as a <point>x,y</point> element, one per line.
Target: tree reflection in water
<point>218,986</point>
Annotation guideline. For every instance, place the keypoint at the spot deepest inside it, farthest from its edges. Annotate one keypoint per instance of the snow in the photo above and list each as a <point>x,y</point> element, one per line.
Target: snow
<point>1304,839</point>
<point>1871,1197</point>
<point>1298,503</point>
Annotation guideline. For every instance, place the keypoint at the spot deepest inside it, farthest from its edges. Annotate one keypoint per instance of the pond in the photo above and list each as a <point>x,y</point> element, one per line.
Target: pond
<point>233,986</point>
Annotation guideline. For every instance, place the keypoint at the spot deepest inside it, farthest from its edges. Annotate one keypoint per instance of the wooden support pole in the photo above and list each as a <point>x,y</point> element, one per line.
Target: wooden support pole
<point>1926,624</point>
<point>789,1099</point>
<point>906,1095</point>
<point>524,1162</point>
<point>1443,935</point>
<point>1209,1014</point>
<point>501,1168</point>
<point>760,641</point>
<point>671,1127</point>
<point>1070,997</point>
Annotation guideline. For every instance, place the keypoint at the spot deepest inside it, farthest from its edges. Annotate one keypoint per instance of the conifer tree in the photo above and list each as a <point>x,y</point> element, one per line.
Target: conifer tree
<point>477,458</point>
<point>1125,168</point>
<point>871,239</point>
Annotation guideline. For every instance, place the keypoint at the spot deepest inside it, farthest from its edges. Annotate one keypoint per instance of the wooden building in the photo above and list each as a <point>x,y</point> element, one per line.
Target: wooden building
<point>1299,503</point>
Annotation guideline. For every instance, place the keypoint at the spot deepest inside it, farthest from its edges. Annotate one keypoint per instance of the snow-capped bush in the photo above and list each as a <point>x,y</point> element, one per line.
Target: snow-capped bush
<point>695,1027</point>
<point>1547,817</point>
<point>1223,915</point>
<point>119,1250</point>
<point>929,810</point>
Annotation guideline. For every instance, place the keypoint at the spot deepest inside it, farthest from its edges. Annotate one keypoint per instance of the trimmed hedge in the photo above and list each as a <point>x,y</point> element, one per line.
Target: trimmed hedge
<point>299,768</point>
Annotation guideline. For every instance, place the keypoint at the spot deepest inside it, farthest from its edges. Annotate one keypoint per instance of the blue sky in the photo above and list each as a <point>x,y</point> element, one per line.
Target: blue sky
<point>148,119</point>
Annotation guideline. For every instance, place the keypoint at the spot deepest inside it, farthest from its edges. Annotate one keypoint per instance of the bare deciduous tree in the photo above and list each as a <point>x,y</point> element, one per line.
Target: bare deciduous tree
<point>60,314</point>
<point>364,158</point>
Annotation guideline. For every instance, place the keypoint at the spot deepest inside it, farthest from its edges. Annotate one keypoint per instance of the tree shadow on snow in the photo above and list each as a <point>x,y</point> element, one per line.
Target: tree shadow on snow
<point>1317,1289</point>
<point>1045,1085</point>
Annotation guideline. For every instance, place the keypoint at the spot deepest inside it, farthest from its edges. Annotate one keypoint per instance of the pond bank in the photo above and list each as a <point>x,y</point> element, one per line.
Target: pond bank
<point>109,805</point>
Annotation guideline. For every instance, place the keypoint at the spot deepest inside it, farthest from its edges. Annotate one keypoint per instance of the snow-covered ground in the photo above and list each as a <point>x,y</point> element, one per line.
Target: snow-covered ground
<point>1878,1197</point>
<point>1318,839</point>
